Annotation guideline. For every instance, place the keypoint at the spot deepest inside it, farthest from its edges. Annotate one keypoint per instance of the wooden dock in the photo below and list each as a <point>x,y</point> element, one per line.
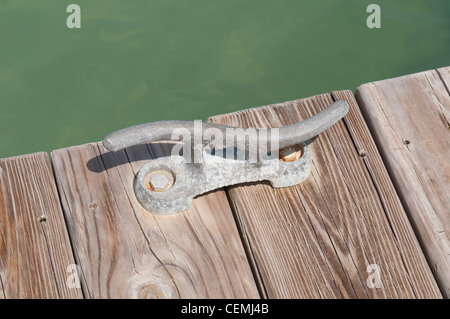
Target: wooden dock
<point>376,203</point>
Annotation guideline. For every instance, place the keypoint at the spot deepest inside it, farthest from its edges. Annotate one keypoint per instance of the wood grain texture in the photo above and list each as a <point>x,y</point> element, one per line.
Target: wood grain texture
<point>409,118</point>
<point>395,213</point>
<point>34,246</point>
<point>317,239</point>
<point>444,74</point>
<point>125,252</point>
<point>2,291</point>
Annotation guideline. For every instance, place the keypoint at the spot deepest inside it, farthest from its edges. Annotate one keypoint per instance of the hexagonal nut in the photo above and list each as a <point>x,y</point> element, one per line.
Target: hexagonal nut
<point>159,182</point>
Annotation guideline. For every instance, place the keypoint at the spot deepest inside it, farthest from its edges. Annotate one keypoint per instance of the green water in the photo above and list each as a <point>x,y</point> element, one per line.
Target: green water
<point>139,61</point>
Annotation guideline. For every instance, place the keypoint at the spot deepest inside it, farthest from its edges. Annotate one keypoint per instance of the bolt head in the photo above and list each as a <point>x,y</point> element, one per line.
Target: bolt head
<point>159,182</point>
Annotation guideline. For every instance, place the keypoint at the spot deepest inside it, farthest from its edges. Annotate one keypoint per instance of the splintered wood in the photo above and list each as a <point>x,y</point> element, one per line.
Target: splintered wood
<point>409,119</point>
<point>35,251</point>
<point>126,252</point>
<point>326,237</point>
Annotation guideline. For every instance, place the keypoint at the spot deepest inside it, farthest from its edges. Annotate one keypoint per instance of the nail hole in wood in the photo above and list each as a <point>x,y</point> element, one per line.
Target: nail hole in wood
<point>42,219</point>
<point>406,142</point>
<point>93,206</point>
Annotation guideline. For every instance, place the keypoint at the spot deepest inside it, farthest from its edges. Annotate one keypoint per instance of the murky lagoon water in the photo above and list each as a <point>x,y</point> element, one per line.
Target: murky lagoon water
<point>140,61</point>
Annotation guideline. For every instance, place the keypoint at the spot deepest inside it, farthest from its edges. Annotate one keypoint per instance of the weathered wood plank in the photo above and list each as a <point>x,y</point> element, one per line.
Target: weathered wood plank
<point>317,239</point>
<point>395,213</point>
<point>444,74</point>
<point>2,290</point>
<point>125,252</point>
<point>34,246</point>
<point>409,119</point>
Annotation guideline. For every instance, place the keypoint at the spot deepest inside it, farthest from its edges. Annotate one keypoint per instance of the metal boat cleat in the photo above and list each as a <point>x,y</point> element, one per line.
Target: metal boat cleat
<point>215,156</point>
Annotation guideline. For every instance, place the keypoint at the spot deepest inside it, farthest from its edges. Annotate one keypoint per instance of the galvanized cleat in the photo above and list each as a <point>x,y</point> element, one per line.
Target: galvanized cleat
<point>168,184</point>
